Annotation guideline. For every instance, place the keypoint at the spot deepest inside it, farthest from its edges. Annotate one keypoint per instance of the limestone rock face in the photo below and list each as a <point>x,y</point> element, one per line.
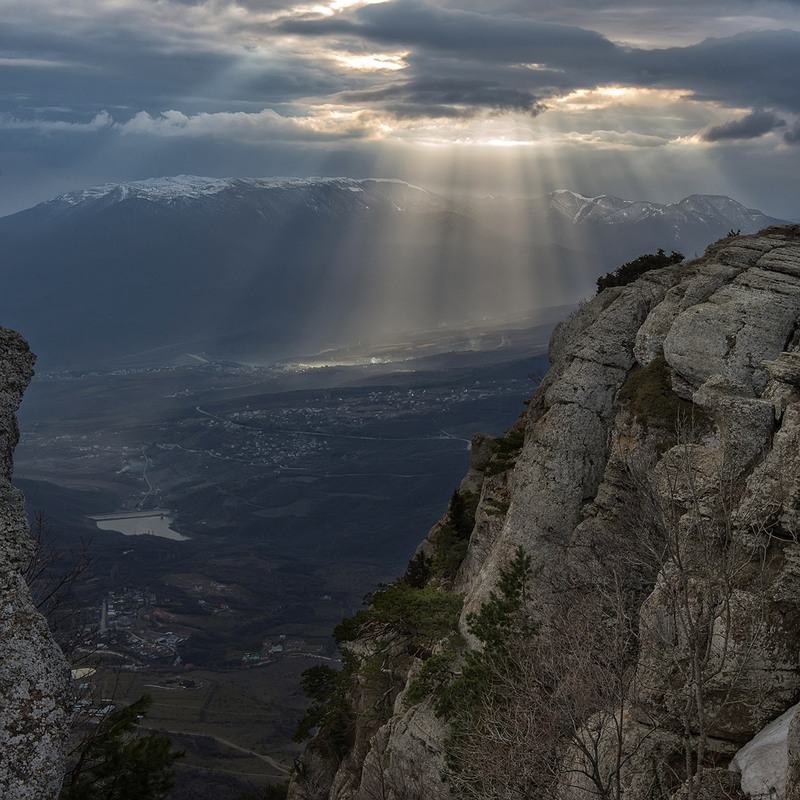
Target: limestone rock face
<point>662,454</point>
<point>34,676</point>
<point>763,762</point>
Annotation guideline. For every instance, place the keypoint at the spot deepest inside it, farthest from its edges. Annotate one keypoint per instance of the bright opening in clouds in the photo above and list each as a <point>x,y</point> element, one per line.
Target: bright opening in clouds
<point>628,97</point>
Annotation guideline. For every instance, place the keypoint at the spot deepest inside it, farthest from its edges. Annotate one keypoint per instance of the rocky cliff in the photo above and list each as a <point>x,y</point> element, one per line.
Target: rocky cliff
<point>34,676</point>
<point>626,563</point>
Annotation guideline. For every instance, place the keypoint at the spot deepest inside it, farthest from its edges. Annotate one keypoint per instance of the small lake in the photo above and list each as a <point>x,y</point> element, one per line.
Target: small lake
<point>152,523</point>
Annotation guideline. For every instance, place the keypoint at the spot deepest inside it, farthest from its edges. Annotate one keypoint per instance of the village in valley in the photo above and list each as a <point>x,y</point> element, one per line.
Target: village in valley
<point>133,630</point>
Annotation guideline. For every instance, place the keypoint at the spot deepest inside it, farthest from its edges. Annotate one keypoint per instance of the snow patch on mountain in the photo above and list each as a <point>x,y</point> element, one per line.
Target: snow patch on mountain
<point>193,187</point>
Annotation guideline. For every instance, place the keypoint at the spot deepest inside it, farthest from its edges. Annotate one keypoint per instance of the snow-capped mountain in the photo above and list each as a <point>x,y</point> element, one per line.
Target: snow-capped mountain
<point>618,229</point>
<point>246,268</point>
<point>322,195</point>
<point>609,210</point>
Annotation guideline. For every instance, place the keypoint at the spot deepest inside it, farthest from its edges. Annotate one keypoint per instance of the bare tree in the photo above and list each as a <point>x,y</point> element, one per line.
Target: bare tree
<point>51,576</point>
<point>574,699</point>
<point>705,617</point>
<point>380,781</point>
<point>312,777</point>
<point>555,720</point>
<point>548,708</point>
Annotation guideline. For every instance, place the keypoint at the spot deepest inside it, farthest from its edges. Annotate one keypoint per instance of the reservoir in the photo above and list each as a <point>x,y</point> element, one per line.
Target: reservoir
<point>148,523</point>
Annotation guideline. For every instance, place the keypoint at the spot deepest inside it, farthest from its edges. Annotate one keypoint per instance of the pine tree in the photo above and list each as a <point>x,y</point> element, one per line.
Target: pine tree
<point>115,763</point>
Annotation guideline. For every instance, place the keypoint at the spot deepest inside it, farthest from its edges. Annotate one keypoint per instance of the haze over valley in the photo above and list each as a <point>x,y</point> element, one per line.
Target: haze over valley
<point>159,271</point>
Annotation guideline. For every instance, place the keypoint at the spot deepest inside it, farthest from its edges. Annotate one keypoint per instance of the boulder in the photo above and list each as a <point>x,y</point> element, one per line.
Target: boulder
<point>763,763</point>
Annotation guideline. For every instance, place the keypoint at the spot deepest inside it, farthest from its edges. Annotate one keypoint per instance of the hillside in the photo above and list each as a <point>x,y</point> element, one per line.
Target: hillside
<point>608,606</point>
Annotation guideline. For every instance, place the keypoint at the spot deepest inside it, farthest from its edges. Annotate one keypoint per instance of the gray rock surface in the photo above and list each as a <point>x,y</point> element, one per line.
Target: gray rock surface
<point>763,763</point>
<point>707,456</point>
<point>34,676</point>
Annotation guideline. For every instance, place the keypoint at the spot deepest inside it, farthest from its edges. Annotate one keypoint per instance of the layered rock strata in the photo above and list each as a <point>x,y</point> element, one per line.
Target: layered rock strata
<point>661,453</point>
<point>34,676</point>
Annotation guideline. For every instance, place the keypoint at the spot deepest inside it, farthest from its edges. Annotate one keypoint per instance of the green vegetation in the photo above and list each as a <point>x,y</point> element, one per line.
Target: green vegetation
<point>432,678</point>
<point>402,615</point>
<point>399,620</point>
<point>504,613</point>
<point>500,619</point>
<point>507,449</point>
<point>114,763</point>
<point>631,270</point>
<point>649,395</point>
<point>498,508</point>
<point>452,538</point>
<point>472,698</point>
<point>331,709</point>
<point>418,571</point>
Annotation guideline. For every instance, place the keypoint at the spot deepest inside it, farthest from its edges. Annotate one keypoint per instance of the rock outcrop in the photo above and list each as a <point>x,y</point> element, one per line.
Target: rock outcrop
<point>34,676</point>
<point>657,493</point>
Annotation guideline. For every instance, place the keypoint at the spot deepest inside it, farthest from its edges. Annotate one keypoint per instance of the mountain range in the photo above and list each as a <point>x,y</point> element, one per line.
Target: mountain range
<point>258,269</point>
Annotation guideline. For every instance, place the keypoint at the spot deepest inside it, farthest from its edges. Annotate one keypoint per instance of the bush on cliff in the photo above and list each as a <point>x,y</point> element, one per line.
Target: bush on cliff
<point>631,270</point>
<point>415,619</point>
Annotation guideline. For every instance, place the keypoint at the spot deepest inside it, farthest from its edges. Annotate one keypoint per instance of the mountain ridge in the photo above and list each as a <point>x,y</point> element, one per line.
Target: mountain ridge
<point>599,208</point>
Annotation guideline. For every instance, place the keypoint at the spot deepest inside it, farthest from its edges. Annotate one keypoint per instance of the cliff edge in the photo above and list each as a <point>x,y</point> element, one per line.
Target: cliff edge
<point>34,676</point>
<point>626,564</point>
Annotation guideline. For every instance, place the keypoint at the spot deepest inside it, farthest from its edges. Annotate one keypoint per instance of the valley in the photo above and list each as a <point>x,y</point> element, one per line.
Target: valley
<point>294,489</point>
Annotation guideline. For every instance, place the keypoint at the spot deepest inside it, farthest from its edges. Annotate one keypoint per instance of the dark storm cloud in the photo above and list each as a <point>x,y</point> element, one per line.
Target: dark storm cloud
<point>792,136</point>
<point>755,124</point>
<point>121,82</point>
<point>752,69</point>
<point>749,69</point>
<point>255,5</point>
<point>141,67</point>
<point>467,34</point>
<point>449,97</point>
<point>147,69</point>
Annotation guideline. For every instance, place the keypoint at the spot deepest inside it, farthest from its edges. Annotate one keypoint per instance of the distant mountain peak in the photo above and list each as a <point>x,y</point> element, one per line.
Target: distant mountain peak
<point>561,205</point>
<point>192,187</point>
<point>610,210</point>
<point>168,187</point>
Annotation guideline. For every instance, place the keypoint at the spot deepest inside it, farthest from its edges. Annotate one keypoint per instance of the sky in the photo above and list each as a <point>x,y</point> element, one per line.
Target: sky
<point>636,98</point>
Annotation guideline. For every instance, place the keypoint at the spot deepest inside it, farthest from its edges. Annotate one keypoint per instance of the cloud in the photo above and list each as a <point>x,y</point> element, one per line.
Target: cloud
<point>754,69</point>
<point>612,140</point>
<point>466,34</point>
<point>262,127</point>
<point>163,80</point>
<point>101,121</point>
<point>32,63</point>
<point>792,136</point>
<point>756,123</point>
<point>446,97</point>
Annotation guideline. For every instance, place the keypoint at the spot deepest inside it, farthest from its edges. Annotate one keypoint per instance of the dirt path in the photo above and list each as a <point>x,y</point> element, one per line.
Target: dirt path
<point>282,770</point>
